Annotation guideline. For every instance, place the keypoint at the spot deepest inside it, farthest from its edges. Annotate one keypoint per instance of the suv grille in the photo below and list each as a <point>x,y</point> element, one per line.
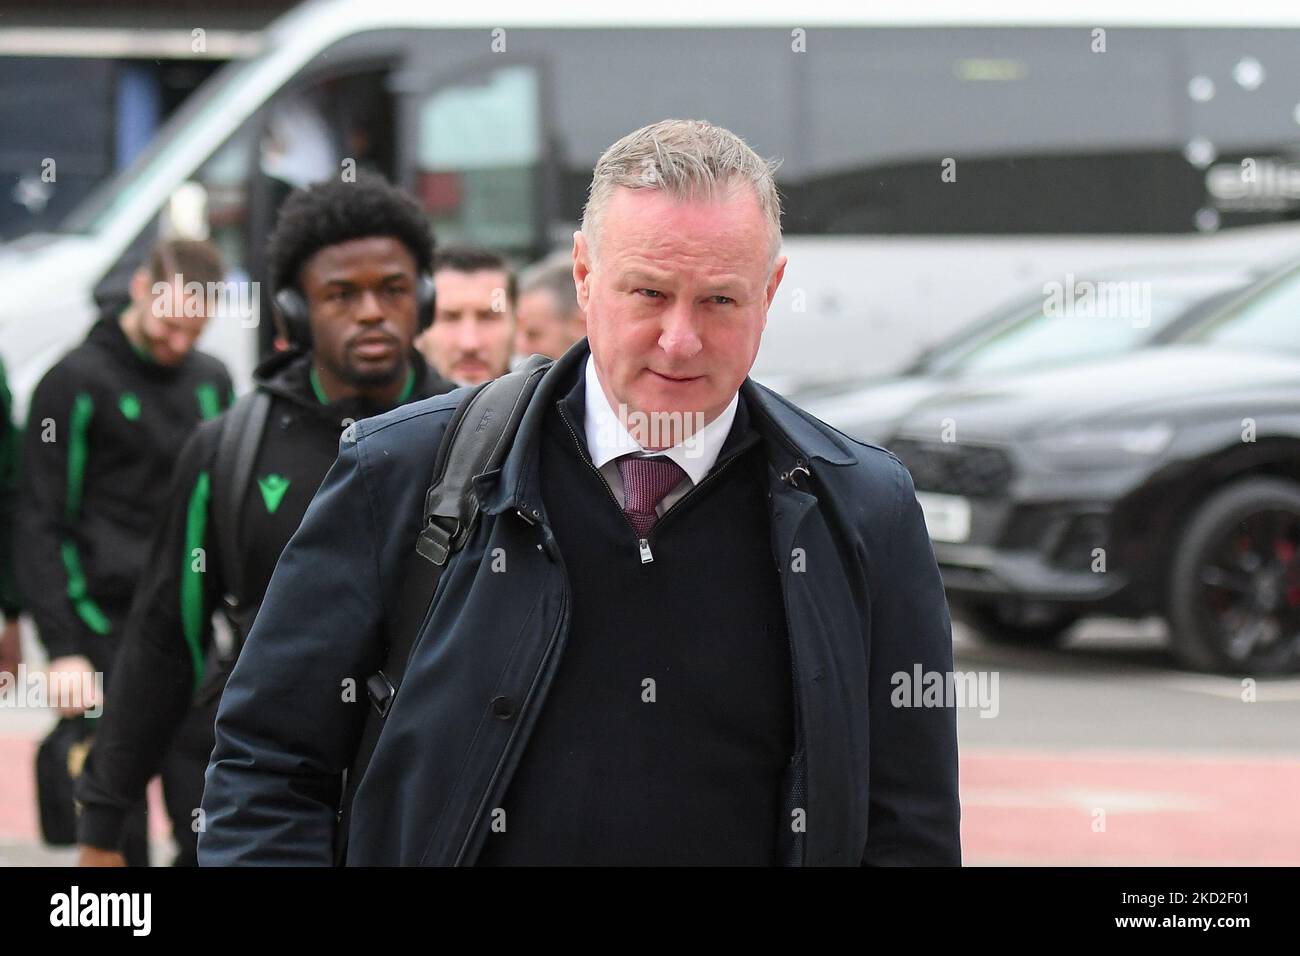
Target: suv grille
<point>951,468</point>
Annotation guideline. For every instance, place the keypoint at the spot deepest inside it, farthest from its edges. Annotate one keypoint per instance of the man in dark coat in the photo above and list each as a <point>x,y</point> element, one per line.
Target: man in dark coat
<point>673,635</point>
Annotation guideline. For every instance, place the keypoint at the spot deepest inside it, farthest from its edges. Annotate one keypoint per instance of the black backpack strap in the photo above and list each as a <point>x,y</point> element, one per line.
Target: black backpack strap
<point>476,441</point>
<point>241,435</point>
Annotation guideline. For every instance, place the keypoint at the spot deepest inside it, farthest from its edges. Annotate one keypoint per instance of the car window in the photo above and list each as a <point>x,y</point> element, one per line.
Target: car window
<point>1270,320</point>
<point>1043,338</point>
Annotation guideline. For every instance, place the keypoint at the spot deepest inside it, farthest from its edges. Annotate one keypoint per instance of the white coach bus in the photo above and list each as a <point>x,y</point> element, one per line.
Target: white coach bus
<point>935,160</point>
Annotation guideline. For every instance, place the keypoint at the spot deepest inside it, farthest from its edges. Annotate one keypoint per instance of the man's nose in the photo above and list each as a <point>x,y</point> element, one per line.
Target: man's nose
<point>469,335</point>
<point>368,307</point>
<point>679,337</point>
<point>179,343</point>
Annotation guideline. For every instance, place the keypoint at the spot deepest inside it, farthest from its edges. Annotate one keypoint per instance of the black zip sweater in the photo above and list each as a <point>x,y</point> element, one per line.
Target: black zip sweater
<point>666,735</point>
<point>168,643</point>
<point>102,437</point>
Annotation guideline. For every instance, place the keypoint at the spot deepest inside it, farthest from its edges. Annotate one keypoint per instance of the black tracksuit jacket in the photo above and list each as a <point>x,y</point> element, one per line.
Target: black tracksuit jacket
<point>103,432</point>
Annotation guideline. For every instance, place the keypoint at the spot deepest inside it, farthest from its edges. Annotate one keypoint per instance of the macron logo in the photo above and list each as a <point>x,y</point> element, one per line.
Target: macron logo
<point>102,909</point>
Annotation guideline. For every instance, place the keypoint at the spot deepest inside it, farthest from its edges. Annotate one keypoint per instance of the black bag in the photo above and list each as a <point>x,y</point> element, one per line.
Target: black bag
<point>476,441</point>
<point>58,764</point>
<point>241,436</point>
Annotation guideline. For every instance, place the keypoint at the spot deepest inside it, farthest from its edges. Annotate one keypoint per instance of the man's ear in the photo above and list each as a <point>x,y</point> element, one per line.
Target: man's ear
<point>581,269</point>
<point>778,273</point>
<point>141,287</point>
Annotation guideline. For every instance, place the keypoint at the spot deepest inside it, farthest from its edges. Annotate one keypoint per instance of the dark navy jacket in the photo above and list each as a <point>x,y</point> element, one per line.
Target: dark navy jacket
<point>863,599</point>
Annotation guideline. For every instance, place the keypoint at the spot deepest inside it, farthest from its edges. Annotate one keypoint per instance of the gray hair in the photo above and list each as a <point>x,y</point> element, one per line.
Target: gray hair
<point>554,274</point>
<point>688,159</point>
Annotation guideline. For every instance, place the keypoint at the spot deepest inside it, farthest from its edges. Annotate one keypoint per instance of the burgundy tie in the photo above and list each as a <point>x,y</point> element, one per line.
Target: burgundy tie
<point>645,482</point>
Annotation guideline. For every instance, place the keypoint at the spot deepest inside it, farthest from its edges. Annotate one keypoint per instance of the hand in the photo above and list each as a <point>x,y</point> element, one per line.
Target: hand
<point>93,856</point>
<point>75,671</point>
<point>11,648</point>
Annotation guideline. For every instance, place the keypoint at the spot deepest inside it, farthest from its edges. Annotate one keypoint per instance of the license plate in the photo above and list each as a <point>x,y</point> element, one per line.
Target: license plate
<point>947,517</point>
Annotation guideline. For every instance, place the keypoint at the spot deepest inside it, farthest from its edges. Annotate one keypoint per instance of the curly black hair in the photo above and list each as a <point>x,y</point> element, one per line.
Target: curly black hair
<point>335,211</point>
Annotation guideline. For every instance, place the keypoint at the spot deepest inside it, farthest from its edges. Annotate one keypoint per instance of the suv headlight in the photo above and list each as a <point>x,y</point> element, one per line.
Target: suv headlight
<point>1100,447</point>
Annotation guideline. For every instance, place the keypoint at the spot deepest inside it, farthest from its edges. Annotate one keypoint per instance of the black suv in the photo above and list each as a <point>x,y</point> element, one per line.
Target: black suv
<point>1164,481</point>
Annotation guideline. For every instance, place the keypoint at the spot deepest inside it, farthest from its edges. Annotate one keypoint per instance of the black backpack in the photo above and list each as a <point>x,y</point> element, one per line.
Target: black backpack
<point>476,441</point>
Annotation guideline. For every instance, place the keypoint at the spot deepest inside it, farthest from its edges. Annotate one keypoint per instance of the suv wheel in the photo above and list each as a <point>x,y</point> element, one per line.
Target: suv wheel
<point>1234,599</point>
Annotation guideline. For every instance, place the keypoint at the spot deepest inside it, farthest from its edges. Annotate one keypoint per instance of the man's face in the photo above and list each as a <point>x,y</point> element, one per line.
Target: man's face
<point>676,299</point>
<point>169,333</point>
<point>361,295</point>
<point>473,326</point>
<point>543,328</point>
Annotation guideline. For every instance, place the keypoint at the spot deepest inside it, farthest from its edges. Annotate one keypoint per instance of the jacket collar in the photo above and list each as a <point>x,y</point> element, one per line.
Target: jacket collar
<point>793,438</point>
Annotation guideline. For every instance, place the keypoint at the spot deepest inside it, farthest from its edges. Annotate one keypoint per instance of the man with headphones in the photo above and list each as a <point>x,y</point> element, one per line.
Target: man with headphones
<point>350,262</point>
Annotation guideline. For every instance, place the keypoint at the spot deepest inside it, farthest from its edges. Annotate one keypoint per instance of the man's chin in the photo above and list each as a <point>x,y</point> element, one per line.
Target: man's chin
<point>661,423</point>
<point>471,376</point>
<point>361,375</point>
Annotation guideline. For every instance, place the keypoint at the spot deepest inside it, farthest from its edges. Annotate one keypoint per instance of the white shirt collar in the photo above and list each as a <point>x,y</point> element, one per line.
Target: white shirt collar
<point>607,439</point>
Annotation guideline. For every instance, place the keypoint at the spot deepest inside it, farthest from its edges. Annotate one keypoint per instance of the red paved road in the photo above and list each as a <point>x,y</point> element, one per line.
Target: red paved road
<point>1159,808</point>
<point>1018,807</point>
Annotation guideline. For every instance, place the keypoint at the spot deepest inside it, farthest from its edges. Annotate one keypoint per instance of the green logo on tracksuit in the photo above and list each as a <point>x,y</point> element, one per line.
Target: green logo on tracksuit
<point>130,406</point>
<point>273,488</point>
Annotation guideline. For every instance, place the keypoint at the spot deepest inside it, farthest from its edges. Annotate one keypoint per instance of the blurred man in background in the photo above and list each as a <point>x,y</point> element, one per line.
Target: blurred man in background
<point>355,257</point>
<point>104,429</point>
<point>550,319</point>
<point>473,328</point>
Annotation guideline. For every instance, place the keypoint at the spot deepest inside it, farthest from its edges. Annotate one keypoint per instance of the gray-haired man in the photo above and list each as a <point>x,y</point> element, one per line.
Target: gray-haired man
<point>673,636</point>
<point>550,319</point>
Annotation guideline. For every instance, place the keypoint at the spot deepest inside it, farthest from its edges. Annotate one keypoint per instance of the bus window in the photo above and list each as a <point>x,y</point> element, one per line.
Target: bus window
<point>990,131</point>
<point>478,150</point>
<point>607,82</point>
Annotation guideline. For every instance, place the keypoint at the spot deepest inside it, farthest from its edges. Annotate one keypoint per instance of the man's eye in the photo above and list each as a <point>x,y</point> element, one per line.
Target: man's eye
<point>651,293</point>
<point>722,299</point>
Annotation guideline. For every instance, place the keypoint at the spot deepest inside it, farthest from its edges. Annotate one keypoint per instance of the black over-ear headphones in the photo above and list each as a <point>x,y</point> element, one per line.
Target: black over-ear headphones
<point>292,307</point>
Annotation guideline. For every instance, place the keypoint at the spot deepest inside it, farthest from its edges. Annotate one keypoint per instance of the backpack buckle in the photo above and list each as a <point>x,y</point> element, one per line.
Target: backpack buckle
<point>381,692</point>
<point>434,542</point>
